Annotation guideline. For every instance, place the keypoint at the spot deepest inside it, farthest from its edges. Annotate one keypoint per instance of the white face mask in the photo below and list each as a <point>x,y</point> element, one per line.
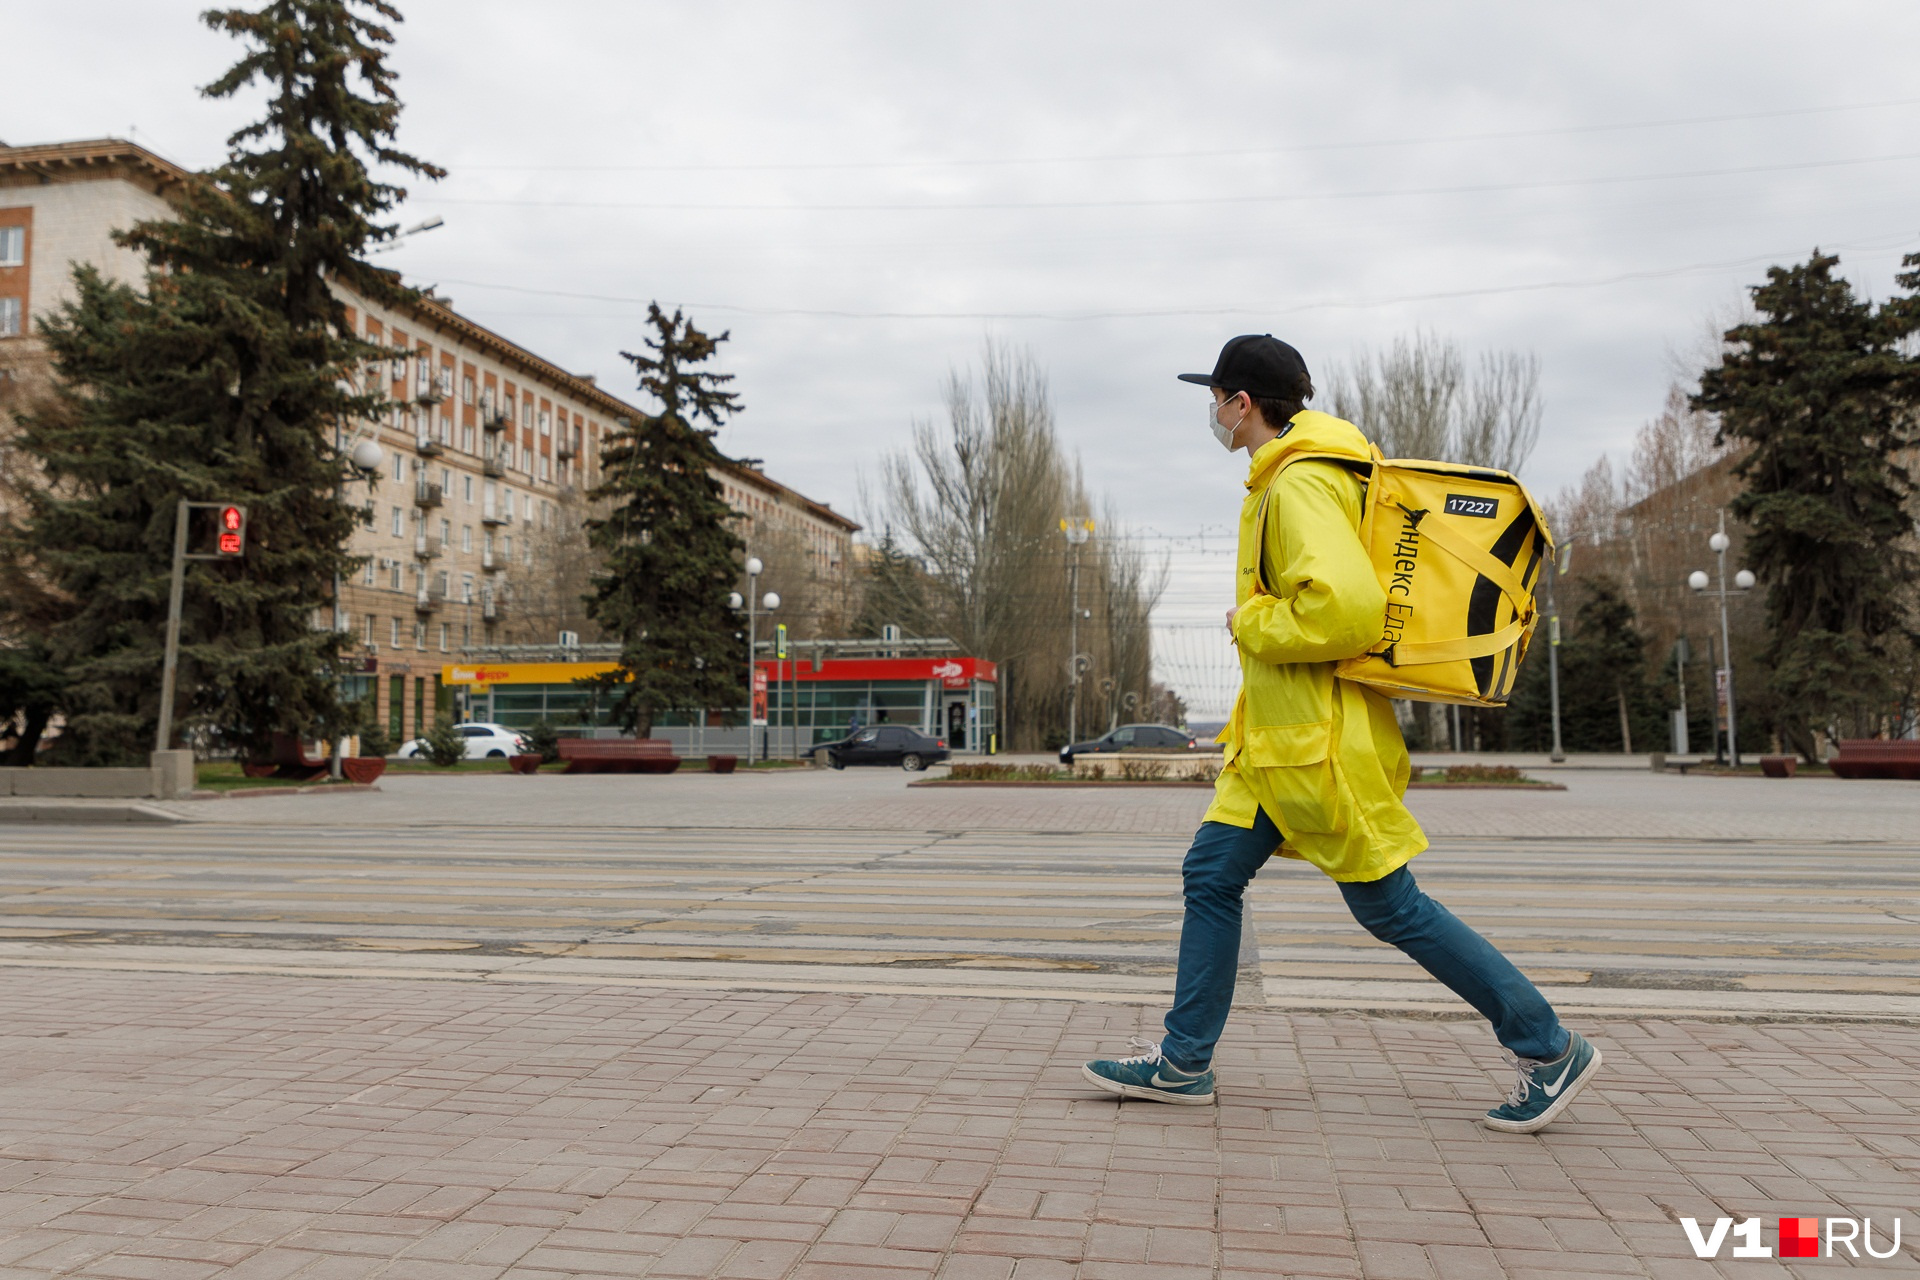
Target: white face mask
<point>1223,434</point>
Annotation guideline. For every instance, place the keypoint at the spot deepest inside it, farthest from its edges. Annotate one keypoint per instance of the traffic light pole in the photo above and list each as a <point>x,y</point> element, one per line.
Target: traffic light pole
<point>164,737</point>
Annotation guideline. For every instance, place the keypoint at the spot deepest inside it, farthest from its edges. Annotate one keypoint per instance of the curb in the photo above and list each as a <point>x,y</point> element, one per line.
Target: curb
<point>85,814</point>
<point>249,793</point>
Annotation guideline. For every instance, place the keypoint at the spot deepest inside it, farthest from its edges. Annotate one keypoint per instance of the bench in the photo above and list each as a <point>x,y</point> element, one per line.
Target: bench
<point>618,755</point>
<point>1877,758</point>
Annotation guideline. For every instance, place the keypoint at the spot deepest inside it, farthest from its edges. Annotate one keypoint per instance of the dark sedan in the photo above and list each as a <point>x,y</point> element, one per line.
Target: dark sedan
<point>886,744</point>
<point>1133,737</point>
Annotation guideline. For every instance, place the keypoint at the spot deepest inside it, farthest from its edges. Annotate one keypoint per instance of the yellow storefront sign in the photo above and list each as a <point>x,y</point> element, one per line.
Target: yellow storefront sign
<point>481,676</point>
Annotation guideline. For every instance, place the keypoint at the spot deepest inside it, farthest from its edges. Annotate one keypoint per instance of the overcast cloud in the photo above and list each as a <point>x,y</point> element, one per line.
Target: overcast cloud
<point>862,191</point>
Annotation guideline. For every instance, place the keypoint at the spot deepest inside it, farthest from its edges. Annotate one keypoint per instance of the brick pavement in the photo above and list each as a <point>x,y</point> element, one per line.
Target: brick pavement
<point>174,1127</point>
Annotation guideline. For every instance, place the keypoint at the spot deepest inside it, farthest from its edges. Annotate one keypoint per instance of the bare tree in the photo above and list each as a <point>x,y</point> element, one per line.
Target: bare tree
<point>1417,400</point>
<point>973,550</point>
<point>553,575</point>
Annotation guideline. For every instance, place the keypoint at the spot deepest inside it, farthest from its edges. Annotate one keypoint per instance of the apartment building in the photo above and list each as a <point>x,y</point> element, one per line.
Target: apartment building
<point>489,448</point>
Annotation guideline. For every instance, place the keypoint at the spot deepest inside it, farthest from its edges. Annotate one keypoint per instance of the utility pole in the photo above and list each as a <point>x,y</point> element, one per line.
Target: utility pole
<point>1559,564</point>
<point>170,663</point>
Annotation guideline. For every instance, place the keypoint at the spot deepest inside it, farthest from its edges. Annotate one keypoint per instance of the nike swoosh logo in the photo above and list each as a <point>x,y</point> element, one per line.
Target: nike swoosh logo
<point>1553,1089</point>
<point>1158,1083</point>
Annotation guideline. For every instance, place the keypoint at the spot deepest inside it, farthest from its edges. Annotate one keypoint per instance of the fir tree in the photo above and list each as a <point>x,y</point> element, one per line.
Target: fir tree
<point>225,379</point>
<point>670,556</point>
<point>1819,390</point>
<point>1603,677</point>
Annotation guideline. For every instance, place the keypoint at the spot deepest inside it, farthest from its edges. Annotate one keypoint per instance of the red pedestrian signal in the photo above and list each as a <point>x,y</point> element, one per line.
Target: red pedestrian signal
<point>233,530</point>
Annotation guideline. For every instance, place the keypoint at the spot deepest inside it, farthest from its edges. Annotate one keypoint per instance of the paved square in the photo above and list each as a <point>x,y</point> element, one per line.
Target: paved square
<point>822,1025</point>
<point>175,1126</point>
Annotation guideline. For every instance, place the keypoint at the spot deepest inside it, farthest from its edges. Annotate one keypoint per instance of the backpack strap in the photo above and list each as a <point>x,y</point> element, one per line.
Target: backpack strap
<point>1361,469</point>
<point>1496,571</point>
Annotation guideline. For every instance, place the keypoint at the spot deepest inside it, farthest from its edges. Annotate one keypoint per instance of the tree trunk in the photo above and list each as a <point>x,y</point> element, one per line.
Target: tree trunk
<point>23,751</point>
<point>1626,726</point>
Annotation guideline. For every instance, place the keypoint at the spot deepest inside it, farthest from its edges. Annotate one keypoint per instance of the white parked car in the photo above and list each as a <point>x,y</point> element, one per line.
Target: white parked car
<point>484,742</point>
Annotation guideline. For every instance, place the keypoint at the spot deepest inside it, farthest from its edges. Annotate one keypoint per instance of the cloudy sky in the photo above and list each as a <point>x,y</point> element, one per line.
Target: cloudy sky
<point>862,192</point>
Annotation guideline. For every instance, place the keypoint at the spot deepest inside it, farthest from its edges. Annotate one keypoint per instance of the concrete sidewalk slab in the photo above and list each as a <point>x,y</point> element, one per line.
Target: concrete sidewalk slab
<point>177,1126</point>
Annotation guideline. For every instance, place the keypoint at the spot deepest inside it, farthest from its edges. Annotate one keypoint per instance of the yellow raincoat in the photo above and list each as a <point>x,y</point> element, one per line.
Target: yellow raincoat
<point>1324,757</point>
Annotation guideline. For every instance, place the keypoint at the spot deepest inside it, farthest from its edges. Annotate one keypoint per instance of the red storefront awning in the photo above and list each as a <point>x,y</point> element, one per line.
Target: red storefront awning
<point>952,673</point>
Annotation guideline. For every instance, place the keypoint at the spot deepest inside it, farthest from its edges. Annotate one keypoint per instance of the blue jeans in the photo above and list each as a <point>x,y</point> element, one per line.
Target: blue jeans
<point>1393,909</point>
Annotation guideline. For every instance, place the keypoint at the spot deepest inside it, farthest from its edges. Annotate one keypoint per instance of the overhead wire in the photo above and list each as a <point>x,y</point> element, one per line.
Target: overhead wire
<point>1502,135</point>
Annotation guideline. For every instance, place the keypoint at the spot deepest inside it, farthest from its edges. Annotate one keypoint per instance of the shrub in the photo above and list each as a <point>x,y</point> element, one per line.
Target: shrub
<point>1484,773</point>
<point>545,739</point>
<point>985,772</point>
<point>444,745</point>
<point>374,740</point>
<point>1143,770</point>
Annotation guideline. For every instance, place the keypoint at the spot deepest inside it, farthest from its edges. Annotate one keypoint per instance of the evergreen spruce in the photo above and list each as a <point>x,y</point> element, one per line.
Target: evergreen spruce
<point>1603,668</point>
<point>670,556</point>
<point>227,378</point>
<point>1818,389</point>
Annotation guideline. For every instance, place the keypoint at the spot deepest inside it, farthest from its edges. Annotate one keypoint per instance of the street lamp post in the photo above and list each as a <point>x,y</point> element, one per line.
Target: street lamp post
<point>1077,529</point>
<point>1742,581</point>
<point>769,602</point>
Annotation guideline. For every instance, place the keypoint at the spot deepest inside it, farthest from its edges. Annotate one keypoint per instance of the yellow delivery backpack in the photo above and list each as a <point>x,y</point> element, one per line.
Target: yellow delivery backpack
<point>1460,551</point>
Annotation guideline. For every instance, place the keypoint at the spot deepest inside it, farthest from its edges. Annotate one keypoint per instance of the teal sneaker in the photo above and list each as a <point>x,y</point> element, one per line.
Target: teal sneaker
<point>1150,1076</point>
<point>1542,1090</point>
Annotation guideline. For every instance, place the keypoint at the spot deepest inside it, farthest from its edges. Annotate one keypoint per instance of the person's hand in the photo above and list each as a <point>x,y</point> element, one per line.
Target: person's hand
<point>1230,615</point>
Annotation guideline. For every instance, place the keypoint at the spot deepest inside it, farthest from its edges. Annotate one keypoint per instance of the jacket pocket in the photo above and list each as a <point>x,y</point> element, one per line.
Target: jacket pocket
<point>1296,765</point>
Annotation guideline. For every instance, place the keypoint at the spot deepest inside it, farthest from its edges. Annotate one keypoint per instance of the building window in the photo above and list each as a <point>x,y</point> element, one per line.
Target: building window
<point>9,317</point>
<point>545,465</point>
<point>546,424</point>
<point>466,589</point>
<point>506,545</point>
<point>443,637</point>
<point>469,488</point>
<point>393,578</point>
<point>466,634</point>
<point>446,431</point>
<point>366,631</point>
<point>506,503</point>
<point>526,414</point>
<point>399,530</point>
<point>446,531</point>
<point>420,636</point>
<point>395,640</point>
<point>13,246</point>
<point>466,439</point>
<point>466,537</point>
<point>466,397</point>
<point>371,569</point>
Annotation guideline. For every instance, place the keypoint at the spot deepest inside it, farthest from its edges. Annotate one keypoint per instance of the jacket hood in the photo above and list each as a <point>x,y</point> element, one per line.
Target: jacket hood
<point>1308,431</point>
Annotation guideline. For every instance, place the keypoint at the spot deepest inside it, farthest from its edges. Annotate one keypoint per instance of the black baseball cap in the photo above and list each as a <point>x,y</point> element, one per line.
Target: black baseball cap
<point>1257,363</point>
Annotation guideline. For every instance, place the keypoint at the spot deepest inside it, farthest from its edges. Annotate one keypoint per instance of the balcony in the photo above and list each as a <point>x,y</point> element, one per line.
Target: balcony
<point>565,451</point>
<point>490,514</point>
<point>427,601</point>
<point>492,607</point>
<point>495,420</point>
<point>427,495</point>
<point>491,560</point>
<point>425,548</point>
<point>428,395</point>
<point>493,467</point>
<point>428,447</point>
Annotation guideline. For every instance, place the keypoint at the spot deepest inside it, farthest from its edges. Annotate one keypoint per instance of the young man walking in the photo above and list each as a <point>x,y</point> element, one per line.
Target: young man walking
<point>1314,766</point>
